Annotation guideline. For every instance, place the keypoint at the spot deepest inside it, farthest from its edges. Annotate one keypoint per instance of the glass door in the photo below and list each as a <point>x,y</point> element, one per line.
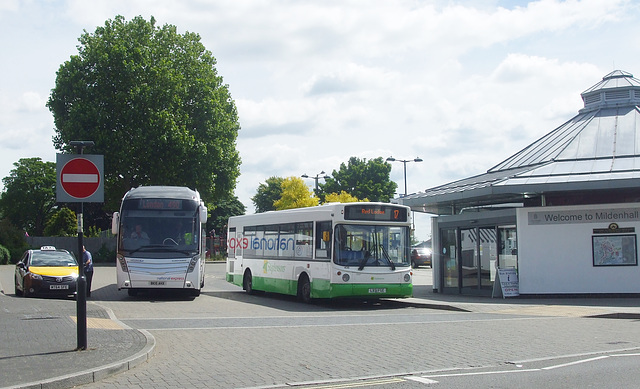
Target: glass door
<point>469,258</point>
<point>479,255</point>
<point>507,247</point>
<point>488,256</point>
<point>449,256</point>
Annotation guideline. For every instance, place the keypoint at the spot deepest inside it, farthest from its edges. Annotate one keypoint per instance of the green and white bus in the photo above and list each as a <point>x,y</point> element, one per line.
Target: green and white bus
<point>333,250</point>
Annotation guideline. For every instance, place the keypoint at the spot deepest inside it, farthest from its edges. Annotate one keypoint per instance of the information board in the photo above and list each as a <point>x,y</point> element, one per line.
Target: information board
<point>508,280</point>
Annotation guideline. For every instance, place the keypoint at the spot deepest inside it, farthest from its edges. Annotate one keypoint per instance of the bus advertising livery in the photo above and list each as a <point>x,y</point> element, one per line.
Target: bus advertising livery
<point>329,251</point>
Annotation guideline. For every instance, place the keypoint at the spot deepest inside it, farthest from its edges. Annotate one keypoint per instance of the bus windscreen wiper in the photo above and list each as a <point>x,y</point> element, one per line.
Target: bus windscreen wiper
<point>365,258</point>
<point>386,255</point>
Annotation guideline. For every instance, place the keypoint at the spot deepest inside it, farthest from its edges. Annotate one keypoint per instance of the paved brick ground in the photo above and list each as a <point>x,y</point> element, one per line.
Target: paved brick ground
<point>226,339</point>
<point>252,357</point>
<point>38,341</point>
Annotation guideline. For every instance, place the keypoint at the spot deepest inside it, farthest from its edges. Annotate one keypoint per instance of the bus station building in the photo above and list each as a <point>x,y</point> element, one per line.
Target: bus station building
<point>563,214</point>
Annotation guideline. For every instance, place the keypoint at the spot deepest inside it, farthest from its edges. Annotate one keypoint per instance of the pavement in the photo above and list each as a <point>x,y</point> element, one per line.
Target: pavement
<point>38,344</point>
<point>38,341</point>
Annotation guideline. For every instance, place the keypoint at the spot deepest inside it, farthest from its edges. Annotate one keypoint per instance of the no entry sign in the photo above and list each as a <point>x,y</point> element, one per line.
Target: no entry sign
<point>80,178</point>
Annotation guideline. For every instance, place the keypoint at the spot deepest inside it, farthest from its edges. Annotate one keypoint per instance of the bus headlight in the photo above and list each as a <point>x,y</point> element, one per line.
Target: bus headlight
<point>345,277</point>
<point>123,262</point>
<point>193,263</point>
<point>407,277</point>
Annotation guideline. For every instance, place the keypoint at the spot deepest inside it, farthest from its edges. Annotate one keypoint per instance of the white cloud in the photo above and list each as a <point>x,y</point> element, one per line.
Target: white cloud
<point>462,84</point>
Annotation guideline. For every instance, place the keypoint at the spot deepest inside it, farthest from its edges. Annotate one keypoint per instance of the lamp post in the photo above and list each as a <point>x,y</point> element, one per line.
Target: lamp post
<point>316,178</point>
<point>404,162</point>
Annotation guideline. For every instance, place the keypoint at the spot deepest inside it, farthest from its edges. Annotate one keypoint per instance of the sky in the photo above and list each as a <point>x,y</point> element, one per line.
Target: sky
<point>461,84</point>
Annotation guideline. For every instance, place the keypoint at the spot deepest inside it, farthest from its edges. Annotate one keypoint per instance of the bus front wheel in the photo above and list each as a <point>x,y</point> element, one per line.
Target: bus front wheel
<point>247,283</point>
<point>304,289</point>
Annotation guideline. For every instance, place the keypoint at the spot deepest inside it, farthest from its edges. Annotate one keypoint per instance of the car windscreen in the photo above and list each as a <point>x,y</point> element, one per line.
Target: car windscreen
<point>52,258</point>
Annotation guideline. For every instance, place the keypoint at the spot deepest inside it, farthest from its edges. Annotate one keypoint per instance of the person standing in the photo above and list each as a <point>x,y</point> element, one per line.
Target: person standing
<point>87,261</point>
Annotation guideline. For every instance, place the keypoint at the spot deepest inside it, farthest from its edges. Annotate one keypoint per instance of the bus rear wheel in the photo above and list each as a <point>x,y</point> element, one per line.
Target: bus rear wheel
<point>304,289</point>
<point>247,282</point>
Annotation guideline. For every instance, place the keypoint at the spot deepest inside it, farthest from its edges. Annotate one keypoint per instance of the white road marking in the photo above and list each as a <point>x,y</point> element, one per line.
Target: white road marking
<point>575,362</point>
<point>422,380</point>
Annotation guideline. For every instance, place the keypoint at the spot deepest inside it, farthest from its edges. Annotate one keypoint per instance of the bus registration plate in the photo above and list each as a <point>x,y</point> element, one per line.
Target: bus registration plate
<point>156,282</point>
<point>378,290</point>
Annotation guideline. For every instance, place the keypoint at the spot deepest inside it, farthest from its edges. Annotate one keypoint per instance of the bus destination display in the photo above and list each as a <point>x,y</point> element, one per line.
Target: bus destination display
<point>160,204</point>
<point>375,212</point>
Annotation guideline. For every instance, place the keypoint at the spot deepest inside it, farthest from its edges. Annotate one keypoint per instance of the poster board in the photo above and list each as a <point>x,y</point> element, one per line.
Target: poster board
<point>507,280</point>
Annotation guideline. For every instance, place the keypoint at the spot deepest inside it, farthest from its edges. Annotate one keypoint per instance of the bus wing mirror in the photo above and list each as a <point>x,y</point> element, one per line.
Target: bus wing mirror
<point>115,223</point>
<point>203,213</point>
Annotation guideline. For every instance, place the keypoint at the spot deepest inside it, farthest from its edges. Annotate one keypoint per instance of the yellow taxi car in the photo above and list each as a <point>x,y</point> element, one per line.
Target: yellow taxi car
<point>47,271</point>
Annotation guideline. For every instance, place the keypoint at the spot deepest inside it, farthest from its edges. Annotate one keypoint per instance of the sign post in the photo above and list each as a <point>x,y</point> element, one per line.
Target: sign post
<point>80,180</point>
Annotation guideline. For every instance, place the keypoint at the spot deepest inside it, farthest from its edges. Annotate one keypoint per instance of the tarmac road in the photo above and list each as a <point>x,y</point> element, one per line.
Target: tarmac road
<point>227,339</point>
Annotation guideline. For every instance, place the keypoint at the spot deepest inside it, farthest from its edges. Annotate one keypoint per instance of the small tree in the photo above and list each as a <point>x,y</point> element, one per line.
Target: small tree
<point>12,238</point>
<point>30,194</point>
<point>62,223</point>
<point>342,197</point>
<point>267,194</point>
<point>362,179</point>
<point>5,256</point>
<point>295,194</point>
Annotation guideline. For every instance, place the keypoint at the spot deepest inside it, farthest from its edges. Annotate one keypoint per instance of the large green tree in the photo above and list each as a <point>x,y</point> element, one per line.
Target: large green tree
<point>29,196</point>
<point>221,213</point>
<point>152,101</point>
<point>267,193</point>
<point>362,179</point>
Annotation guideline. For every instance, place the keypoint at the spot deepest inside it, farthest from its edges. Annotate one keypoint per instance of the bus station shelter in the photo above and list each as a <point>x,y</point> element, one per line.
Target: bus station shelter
<point>564,212</point>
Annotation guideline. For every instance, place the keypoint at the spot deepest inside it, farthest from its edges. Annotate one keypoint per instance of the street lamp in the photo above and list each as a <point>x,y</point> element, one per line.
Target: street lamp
<point>316,178</point>
<point>404,162</point>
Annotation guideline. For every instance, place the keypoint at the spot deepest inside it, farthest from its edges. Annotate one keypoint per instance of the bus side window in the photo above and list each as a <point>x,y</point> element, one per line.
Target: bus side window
<point>323,239</point>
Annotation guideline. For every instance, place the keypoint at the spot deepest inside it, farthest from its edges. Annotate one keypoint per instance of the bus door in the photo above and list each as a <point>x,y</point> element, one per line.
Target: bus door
<point>233,246</point>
